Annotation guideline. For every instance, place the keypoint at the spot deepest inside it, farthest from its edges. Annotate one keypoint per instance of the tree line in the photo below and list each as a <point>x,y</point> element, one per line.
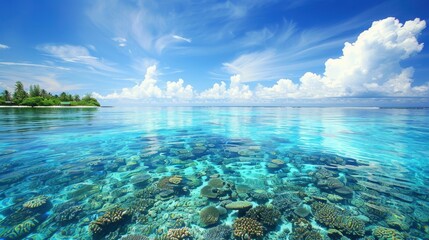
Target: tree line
<point>38,96</point>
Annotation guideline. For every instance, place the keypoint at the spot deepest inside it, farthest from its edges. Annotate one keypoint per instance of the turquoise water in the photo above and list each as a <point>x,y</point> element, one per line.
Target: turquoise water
<point>131,173</point>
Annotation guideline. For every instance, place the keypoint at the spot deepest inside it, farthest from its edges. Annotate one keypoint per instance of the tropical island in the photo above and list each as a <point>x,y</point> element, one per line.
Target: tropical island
<point>38,96</point>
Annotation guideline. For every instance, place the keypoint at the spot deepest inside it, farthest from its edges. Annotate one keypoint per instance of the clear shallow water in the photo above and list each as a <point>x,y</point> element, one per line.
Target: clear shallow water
<point>93,162</point>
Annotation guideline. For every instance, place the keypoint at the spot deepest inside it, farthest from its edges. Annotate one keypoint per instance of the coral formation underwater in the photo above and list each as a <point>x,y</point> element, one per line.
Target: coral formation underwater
<point>210,187</point>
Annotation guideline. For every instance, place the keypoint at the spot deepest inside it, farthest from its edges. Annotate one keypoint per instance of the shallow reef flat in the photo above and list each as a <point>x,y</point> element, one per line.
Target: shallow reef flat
<point>190,184</point>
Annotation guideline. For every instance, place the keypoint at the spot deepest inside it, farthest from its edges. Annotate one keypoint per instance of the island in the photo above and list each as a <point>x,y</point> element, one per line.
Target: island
<point>38,96</point>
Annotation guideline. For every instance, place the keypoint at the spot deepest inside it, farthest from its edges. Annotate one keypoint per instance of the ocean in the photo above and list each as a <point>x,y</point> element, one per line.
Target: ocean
<point>214,173</point>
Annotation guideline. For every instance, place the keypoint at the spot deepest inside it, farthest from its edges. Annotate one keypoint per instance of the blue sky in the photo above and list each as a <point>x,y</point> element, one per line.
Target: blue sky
<point>220,52</point>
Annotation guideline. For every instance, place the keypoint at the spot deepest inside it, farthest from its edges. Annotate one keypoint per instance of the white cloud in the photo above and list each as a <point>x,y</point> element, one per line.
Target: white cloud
<point>370,66</point>
<point>284,88</point>
<point>218,91</point>
<point>146,89</point>
<point>236,91</point>
<point>371,63</point>
<point>167,40</point>
<point>75,54</point>
<point>176,90</point>
<point>122,42</point>
<point>254,66</point>
<point>2,46</point>
<point>182,38</point>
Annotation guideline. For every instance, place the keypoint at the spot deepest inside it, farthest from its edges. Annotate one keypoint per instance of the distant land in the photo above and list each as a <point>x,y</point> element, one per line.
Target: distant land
<point>39,97</point>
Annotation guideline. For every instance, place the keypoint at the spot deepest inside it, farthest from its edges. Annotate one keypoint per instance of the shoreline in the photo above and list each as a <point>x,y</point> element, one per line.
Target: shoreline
<point>17,106</point>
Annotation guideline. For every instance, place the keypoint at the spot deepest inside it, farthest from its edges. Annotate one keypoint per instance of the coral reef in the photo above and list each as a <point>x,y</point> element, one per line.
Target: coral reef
<point>179,234</point>
<point>20,230</point>
<point>286,202</point>
<point>315,196</point>
<point>333,217</point>
<point>216,188</point>
<point>176,179</point>
<point>108,222</point>
<point>241,206</point>
<point>68,214</point>
<point>247,228</point>
<point>261,196</point>
<point>398,221</point>
<point>36,202</point>
<point>269,216</point>
<point>209,192</point>
<point>221,232</point>
<point>216,183</point>
<point>302,230</point>
<point>334,198</point>
<point>382,233</point>
<point>209,216</point>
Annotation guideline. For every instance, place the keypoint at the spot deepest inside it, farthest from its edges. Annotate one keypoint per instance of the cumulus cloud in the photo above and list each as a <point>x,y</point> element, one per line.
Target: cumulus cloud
<point>2,46</point>
<point>236,91</point>
<point>370,66</point>
<point>146,89</point>
<point>284,88</point>
<point>75,54</point>
<point>372,62</point>
<point>176,90</point>
<point>218,91</point>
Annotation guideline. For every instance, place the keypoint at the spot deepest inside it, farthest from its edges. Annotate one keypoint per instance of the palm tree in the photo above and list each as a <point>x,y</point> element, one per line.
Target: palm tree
<point>19,95</point>
<point>7,96</point>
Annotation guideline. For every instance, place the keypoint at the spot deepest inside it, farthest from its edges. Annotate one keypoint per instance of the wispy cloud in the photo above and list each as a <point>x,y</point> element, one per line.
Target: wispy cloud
<point>2,46</point>
<point>32,65</point>
<point>149,23</point>
<point>75,54</point>
<point>122,42</point>
<point>182,38</point>
<point>257,66</point>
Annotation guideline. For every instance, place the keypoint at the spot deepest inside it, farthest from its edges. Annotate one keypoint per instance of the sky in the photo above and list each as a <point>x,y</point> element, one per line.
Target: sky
<point>266,52</point>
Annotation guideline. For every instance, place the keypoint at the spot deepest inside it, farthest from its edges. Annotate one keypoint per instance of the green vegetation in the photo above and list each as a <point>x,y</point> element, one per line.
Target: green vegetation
<point>40,97</point>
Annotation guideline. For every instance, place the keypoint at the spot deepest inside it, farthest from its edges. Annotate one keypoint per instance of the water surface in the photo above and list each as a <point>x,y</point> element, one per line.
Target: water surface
<point>82,164</point>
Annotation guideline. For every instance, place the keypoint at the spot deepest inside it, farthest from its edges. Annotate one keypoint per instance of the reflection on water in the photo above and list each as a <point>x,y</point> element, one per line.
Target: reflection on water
<point>214,173</point>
